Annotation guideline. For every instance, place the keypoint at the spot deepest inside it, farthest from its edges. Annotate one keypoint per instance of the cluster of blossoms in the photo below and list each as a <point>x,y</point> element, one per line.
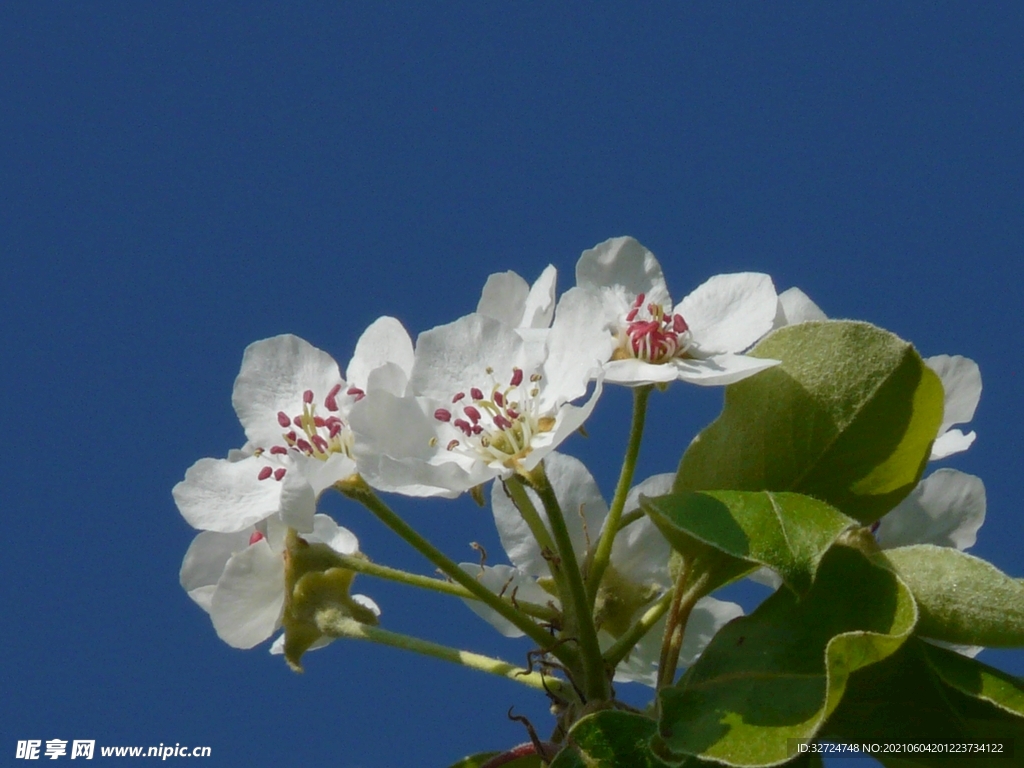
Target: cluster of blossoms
<point>490,397</point>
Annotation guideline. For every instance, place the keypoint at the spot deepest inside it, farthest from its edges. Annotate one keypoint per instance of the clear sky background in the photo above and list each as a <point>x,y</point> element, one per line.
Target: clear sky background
<point>179,180</point>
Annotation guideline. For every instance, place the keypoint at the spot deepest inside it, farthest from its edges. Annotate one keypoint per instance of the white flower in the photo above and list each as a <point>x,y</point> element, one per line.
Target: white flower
<point>483,402</point>
<point>960,376</point>
<point>637,574</point>
<point>508,298</point>
<point>698,340</point>
<point>293,403</point>
<point>239,578</point>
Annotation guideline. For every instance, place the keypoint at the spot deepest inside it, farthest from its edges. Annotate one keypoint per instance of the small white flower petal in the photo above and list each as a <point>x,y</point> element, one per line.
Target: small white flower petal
<point>632,372</point>
<point>640,552</point>
<point>384,342</point>
<point>275,374</point>
<point>961,381</point>
<point>709,615</point>
<point>719,370</point>
<point>227,496</point>
<point>623,268</point>
<point>795,306</point>
<point>950,442</point>
<point>504,298</point>
<point>539,308</point>
<point>947,508</point>
<point>247,605</point>
<point>504,579</point>
<point>728,313</point>
<point>328,532</point>
<point>204,563</point>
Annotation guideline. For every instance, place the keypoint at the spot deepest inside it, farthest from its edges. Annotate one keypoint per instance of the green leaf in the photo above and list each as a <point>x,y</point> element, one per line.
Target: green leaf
<point>908,699</point>
<point>963,599</point>
<point>848,417</point>
<point>611,739</point>
<point>773,677</point>
<point>787,532</point>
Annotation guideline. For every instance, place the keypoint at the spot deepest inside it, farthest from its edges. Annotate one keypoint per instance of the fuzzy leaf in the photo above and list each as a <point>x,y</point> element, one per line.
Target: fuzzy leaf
<point>775,676</point>
<point>848,417</point>
<point>963,599</point>
<point>787,532</point>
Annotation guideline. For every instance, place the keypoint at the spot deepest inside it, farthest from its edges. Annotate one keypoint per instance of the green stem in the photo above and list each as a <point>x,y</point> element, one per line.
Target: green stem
<point>361,565</point>
<point>621,648</point>
<point>533,520</point>
<point>603,553</point>
<point>334,624</point>
<point>578,614</point>
<point>358,490</point>
<point>686,596</point>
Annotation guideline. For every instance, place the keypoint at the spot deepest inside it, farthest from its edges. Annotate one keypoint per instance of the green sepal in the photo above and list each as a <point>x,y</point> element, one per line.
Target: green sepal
<point>963,599</point>
<point>771,678</point>
<point>925,695</point>
<point>733,532</point>
<point>314,582</point>
<point>848,417</point>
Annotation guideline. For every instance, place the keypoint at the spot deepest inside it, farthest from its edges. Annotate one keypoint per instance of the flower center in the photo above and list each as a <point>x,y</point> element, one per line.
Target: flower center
<point>499,425</point>
<point>310,434</point>
<point>652,335</point>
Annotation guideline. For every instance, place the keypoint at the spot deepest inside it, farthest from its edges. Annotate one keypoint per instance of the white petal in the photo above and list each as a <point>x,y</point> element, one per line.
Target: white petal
<point>275,374</point>
<point>961,380</point>
<point>249,599</point>
<point>452,358</point>
<point>640,553</point>
<point>328,532</point>
<point>970,651</point>
<point>624,268</point>
<point>540,304</point>
<point>708,616</point>
<point>767,577</point>
<point>569,419</point>
<point>946,508</point>
<point>384,342</point>
<point>321,475</point>
<point>227,496</point>
<point>367,603</point>
<point>719,370</point>
<point>950,442</point>
<point>504,298</point>
<point>795,306</point>
<point>641,665</point>
<point>277,647</point>
<point>205,560</point>
<point>388,378</point>
<point>580,340</point>
<point>582,507</point>
<point>728,313</point>
<point>634,373</point>
<point>503,579</point>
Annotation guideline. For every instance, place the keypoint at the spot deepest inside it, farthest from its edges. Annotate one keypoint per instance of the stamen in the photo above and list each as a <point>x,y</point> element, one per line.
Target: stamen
<point>307,396</point>
<point>517,377</point>
<point>443,415</point>
<point>256,536</point>
<point>331,401</point>
<point>278,450</point>
<point>476,394</point>
<point>279,473</point>
<point>265,472</point>
<point>283,420</point>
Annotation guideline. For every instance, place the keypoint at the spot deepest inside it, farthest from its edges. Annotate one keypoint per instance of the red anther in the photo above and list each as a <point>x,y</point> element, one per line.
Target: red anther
<point>307,396</point>
<point>331,400</point>
<point>452,445</point>
<point>639,300</point>
<point>256,535</point>
<point>279,473</point>
<point>465,426</point>
<point>336,429</point>
<point>278,450</point>
<point>512,413</point>
<point>297,421</point>
<point>679,325</point>
<point>291,436</point>
<point>303,446</point>
<point>476,394</point>
<point>443,415</point>
<point>517,377</point>
<point>356,392</point>
<point>458,397</point>
<point>320,443</point>
<point>502,422</point>
<point>477,429</point>
<point>319,422</point>
<point>473,413</point>
<point>265,472</point>
<point>283,420</point>
<point>632,314</point>
<point>499,399</point>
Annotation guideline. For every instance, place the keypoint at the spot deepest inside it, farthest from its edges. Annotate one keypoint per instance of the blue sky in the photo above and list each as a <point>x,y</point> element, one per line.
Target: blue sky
<point>179,180</point>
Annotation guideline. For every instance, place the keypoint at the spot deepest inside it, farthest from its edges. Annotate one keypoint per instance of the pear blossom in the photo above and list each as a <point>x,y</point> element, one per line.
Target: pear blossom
<point>507,297</point>
<point>239,577</point>
<point>482,402</point>
<point>699,340</point>
<point>293,404</point>
<point>960,376</point>
<point>637,575</point>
